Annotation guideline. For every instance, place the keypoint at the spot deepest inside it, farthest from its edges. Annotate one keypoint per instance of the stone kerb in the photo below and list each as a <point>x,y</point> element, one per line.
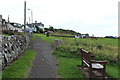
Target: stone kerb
<point>12,47</point>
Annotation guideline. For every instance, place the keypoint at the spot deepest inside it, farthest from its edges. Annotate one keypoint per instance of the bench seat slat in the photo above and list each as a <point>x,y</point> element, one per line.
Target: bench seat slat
<point>94,65</point>
<point>97,66</point>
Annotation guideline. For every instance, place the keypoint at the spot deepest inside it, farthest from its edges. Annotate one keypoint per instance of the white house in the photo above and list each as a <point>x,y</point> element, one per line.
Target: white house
<point>40,25</point>
<point>15,26</point>
<point>28,28</point>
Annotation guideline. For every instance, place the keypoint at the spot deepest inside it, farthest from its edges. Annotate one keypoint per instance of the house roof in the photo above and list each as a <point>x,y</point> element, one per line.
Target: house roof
<point>38,24</point>
<point>16,25</point>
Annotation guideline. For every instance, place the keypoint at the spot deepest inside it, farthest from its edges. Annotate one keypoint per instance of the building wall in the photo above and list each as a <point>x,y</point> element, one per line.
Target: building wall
<point>41,27</point>
<point>0,24</point>
<point>10,27</point>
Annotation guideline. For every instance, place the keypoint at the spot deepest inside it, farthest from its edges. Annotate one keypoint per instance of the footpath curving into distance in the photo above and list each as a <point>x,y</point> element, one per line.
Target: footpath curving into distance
<point>44,65</point>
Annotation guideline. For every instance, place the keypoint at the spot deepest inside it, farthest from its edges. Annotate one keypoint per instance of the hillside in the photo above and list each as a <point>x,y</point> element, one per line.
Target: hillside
<point>61,32</point>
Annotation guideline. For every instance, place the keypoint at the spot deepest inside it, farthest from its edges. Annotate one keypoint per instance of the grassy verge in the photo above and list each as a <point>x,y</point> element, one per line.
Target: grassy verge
<point>67,65</point>
<point>112,70</point>
<point>5,35</point>
<point>67,68</point>
<point>20,68</point>
<point>34,37</point>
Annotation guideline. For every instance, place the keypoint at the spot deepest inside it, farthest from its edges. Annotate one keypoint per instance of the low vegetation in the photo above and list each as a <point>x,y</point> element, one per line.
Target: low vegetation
<point>61,32</point>
<point>8,32</point>
<point>34,37</point>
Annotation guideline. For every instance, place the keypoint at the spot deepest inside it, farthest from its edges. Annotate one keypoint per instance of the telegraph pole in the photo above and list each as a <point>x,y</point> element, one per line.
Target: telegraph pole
<point>24,16</point>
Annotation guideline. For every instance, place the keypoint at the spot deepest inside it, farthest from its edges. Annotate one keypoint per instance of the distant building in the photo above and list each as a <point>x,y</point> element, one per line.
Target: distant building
<point>34,26</point>
<point>29,28</point>
<point>15,26</point>
<point>0,24</point>
<point>84,35</point>
<point>39,25</point>
<point>4,25</point>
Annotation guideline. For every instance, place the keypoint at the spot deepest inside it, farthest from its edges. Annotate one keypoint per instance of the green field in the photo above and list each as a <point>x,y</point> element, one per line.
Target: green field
<point>103,49</point>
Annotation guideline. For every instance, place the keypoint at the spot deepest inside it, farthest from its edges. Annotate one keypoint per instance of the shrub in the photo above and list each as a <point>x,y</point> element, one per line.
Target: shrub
<point>41,30</point>
<point>10,33</point>
<point>5,31</point>
<point>99,46</point>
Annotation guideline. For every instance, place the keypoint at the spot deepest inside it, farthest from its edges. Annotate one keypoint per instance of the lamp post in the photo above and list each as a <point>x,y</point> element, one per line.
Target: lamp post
<point>31,18</point>
<point>31,15</point>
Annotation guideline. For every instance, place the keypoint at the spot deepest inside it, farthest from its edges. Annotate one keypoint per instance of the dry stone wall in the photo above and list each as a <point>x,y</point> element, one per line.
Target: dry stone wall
<point>11,47</point>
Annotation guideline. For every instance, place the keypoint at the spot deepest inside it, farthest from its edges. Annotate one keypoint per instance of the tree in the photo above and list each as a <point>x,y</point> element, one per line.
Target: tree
<point>37,28</point>
<point>41,30</point>
<point>51,28</point>
<point>46,29</point>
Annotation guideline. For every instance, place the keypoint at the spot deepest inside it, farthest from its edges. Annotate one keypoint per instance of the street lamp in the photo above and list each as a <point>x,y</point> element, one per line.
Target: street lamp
<point>31,15</point>
<point>31,18</point>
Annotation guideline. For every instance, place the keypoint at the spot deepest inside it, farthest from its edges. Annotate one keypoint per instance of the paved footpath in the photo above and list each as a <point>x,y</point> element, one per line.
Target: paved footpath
<point>44,64</point>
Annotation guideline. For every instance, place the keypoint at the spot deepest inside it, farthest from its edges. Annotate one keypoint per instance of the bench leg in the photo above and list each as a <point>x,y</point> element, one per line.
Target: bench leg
<point>104,71</point>
<point>82,64</point>
<point>90,73</point>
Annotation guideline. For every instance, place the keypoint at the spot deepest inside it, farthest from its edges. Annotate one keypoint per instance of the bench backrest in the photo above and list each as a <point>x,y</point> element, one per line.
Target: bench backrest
<point>86,56</point>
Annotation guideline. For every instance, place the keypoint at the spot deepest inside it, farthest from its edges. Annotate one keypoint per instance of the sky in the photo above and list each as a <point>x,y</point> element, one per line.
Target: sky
<point>97,17</point>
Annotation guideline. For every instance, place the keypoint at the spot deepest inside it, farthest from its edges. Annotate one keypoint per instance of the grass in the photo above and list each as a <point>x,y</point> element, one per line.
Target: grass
<point>5,35</point>
<point>112,70</point>
<point>103,49</point>
<point>49,39</point>
<point>61,34</point>
<point>67,65</point>
<point>34,37</point>
<point>20,68</point>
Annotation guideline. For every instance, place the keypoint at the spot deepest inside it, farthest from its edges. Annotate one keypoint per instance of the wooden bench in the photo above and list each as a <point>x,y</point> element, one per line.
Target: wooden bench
<point>89,62</point>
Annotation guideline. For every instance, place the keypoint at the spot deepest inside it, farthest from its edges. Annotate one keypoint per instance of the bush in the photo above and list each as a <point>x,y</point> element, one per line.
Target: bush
<point>41,30</point>
<point>10,33</point>
<point>67,50</point>
<point>5,31</point>
<point>99,46</point>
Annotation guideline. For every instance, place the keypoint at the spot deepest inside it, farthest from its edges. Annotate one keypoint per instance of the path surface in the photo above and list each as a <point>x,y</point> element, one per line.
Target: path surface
<point>44,65</point>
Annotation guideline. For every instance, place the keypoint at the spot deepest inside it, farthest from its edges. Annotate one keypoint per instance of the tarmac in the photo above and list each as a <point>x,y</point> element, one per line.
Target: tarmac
<point>44,64</point>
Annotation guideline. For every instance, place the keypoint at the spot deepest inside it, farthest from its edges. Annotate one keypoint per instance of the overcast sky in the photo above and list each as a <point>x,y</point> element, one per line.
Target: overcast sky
<point>98,17</point>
